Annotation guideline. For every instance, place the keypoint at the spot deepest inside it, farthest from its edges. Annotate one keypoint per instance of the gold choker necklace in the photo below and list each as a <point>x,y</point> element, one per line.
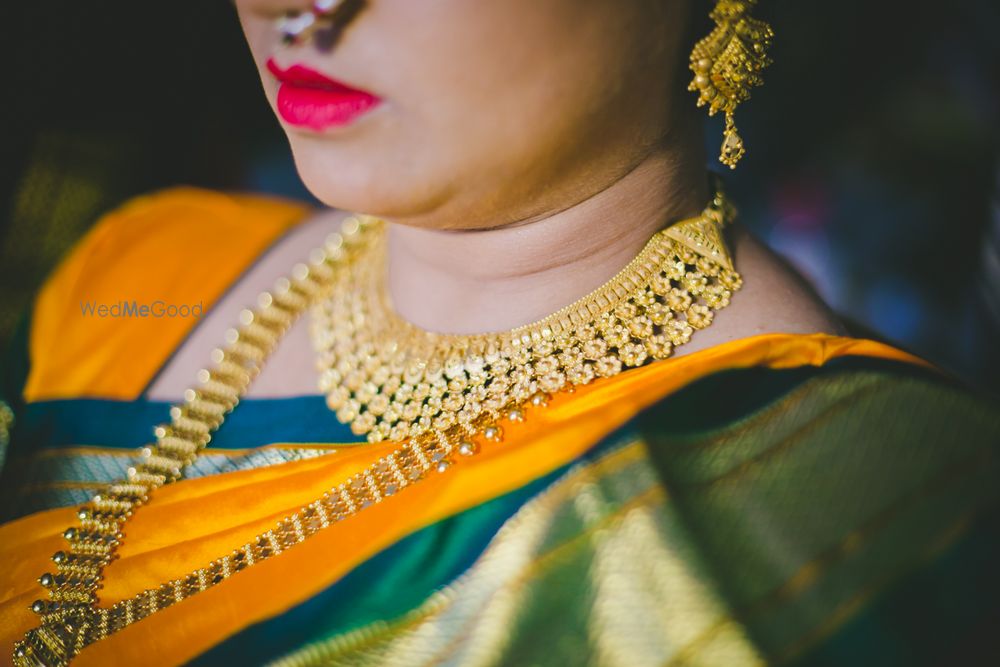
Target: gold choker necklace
<point>433,393</point>
<point>392,380</point>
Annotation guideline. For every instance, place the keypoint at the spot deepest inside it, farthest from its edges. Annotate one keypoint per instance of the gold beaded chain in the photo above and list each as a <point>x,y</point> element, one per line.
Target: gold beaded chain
<point>434,393</point>
<point>71,619</point>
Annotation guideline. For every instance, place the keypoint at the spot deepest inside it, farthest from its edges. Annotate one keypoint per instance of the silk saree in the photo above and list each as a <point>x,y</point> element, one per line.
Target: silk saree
<point>780,499</point>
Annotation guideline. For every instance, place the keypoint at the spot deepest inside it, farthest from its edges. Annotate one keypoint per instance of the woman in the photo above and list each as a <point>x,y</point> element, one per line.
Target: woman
<point>639,442</point>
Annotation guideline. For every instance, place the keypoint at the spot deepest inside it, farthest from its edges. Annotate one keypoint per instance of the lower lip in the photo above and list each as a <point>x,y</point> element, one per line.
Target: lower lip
<point>321,108</point>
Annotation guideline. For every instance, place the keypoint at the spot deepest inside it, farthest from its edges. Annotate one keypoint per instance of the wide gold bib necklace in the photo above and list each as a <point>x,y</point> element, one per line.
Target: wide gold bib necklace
<point>434,394</point>
<point>392,380</point>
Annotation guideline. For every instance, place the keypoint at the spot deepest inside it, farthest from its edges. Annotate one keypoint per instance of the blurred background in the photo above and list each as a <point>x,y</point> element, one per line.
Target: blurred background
<point>872,165</point>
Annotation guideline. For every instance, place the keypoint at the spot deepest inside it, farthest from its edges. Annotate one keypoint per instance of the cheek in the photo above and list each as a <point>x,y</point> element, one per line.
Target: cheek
<point>260,37</point>
<point>258,32</point>
<point>474,91</point>
<point>506,115</point>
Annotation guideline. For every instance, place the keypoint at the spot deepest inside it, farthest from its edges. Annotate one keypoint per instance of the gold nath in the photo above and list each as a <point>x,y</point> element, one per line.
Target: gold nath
<point>432,393</point>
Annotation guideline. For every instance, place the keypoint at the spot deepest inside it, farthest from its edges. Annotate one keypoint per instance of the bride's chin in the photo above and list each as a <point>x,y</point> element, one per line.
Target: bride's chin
<point>363,186</point>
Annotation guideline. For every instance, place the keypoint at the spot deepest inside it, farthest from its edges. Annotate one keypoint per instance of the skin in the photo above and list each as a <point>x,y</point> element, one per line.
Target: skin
<point>524,152</point>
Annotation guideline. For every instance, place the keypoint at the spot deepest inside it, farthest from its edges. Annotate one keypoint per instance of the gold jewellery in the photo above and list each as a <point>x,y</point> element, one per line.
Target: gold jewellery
<point>392,381</point>
<point>727,64</point>
<point>297,26</point>
<point>434,394</point>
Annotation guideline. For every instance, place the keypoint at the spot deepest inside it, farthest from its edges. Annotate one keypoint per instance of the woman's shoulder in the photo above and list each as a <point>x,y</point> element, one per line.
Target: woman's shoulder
<point>143,274</point>
<point>774,298</point>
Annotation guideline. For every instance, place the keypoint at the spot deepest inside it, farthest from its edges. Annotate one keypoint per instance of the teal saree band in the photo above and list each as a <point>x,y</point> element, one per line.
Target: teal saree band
<point>65,450</point>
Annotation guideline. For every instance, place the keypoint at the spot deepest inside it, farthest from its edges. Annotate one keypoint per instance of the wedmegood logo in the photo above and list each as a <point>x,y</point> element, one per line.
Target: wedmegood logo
<point>155,309</point>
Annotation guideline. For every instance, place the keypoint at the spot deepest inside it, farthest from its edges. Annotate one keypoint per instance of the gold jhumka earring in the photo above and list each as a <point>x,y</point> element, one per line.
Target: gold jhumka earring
<point>727,64</point>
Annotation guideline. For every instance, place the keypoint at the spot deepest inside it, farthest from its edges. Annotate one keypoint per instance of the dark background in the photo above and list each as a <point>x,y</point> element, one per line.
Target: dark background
<point>872,165</point>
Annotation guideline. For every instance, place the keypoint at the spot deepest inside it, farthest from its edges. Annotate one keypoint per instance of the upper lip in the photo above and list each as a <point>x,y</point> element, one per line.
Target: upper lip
<point>301,75</point>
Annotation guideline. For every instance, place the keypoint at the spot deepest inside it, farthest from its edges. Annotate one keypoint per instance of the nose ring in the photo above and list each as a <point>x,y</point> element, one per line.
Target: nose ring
<point>298,26</point>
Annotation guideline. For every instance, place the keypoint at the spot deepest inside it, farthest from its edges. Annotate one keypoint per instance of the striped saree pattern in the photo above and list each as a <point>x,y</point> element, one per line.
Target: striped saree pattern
<point>682,538</point>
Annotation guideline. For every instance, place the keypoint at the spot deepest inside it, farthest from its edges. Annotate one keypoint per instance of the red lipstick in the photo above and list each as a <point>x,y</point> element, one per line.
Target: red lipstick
<point>307,98</point>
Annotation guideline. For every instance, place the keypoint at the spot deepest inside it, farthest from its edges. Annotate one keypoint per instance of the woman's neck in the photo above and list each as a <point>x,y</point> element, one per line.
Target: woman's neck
<point>478,281</point>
